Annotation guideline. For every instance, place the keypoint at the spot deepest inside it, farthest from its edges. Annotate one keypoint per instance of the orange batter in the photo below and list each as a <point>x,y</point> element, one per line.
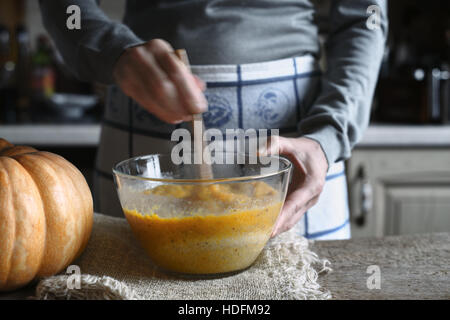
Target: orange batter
<point>228,239</point>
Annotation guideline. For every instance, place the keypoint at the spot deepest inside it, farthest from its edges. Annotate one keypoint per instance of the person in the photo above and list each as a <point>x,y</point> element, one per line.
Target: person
<point>255,65</point>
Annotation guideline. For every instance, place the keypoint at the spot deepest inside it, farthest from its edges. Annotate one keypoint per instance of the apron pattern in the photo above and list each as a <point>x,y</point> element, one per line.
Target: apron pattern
<point>272,107</point>
<point>219,111</point>
<point>268,95</point>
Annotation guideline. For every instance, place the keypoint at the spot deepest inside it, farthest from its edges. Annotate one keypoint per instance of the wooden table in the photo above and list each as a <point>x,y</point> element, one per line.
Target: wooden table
<point>411,267</point>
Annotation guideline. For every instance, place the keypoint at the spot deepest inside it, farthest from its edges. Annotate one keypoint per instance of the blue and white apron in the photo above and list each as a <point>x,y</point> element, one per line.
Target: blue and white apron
<point>268,95</point>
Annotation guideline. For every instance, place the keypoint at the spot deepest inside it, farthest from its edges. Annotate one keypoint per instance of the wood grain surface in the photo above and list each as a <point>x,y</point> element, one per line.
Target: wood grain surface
<point>411,267</point>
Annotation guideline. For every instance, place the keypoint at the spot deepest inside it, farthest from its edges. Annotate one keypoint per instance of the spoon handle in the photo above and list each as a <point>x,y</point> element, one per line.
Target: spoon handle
<point>197,130</point>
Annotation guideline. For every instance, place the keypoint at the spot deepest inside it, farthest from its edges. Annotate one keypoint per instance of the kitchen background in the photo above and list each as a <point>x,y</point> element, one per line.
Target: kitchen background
<point>399,174</point>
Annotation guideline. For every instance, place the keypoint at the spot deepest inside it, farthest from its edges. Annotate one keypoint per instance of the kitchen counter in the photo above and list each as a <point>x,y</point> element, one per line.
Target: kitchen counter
<point>72,135</point>
<point>411,267</point>
<point>387,135</point>
<point>89,134</point>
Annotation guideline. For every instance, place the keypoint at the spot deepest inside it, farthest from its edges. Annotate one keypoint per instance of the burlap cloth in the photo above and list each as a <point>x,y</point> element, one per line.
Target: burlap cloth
<point>114,266</point>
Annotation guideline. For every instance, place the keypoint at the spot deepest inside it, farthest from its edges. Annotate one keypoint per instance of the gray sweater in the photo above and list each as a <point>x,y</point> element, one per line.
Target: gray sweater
<point>242,31</point>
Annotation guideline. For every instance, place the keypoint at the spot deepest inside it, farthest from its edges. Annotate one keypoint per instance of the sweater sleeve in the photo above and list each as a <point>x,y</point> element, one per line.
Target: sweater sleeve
<point>341,111</point>
<point>91,51</point>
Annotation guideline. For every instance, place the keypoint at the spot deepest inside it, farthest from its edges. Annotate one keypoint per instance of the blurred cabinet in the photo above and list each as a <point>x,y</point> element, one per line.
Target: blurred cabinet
<point>12,12</point>
<point>399,191</point>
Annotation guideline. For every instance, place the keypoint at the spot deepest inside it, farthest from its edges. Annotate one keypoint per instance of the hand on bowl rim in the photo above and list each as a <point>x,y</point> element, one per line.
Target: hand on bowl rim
<point>310,167</point>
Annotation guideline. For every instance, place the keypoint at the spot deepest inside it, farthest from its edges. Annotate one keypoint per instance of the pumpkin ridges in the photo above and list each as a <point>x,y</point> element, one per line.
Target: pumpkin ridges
<point>7,225</point>
<point>80,184</point>
<point>60,198</point>
<point>57,210</point>
<point>25,221</point>
<point>83,209</point>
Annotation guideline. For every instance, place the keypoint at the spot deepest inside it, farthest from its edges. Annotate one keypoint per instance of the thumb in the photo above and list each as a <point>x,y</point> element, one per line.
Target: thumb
<point>276,145</point>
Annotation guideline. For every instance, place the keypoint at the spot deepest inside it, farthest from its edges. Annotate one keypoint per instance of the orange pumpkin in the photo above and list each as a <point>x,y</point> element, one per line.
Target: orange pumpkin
<point>46,214</point>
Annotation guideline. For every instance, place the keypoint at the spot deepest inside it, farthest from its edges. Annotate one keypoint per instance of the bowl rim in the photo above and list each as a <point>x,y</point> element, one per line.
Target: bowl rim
<point>200,180</point>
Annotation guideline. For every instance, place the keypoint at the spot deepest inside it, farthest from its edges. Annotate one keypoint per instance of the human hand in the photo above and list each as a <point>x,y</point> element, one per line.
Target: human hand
<point>309,173</point>
<point>154,76</point>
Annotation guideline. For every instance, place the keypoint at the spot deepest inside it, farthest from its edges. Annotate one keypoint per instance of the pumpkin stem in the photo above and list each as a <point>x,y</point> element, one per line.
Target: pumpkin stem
<point>4,144</point>
<point>7,149</point>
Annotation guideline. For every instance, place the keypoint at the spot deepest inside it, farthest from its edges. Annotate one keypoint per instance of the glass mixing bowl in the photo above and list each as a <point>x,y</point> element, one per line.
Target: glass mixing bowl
<point>193,226</point>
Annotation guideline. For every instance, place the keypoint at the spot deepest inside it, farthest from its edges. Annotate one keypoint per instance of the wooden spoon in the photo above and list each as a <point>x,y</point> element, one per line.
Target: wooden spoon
<point>197,130</point>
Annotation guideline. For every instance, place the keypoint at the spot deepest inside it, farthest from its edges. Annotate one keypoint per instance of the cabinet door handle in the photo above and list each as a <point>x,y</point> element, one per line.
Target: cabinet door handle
<point>365,195</point>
